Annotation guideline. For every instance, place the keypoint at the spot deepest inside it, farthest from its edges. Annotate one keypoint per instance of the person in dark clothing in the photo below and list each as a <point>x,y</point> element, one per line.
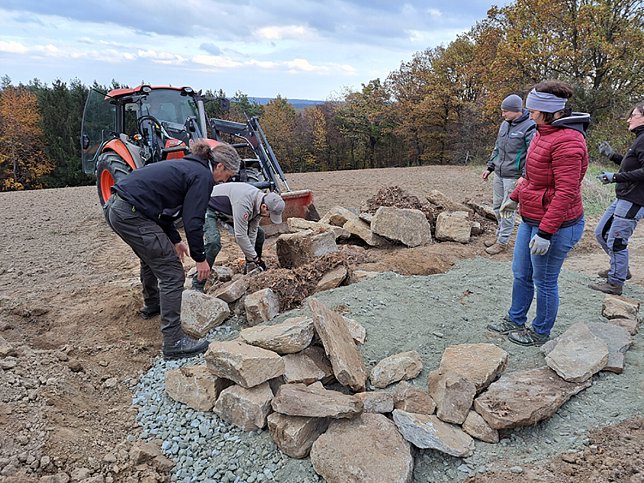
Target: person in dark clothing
<point>552,213</point>
<point>507,162</point>
<point>618,223</point>
<point>142,211</point>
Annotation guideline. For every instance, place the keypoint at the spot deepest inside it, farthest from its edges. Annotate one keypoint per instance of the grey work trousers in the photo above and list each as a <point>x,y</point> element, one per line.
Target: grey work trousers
<point>161,273</point>
<point>613,232</point>
<point>503,188</point>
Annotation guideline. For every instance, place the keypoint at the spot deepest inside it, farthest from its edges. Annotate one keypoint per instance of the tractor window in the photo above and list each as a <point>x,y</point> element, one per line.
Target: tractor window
<point>129,119</point>
<point>99,125</point>
<point>170,106</point>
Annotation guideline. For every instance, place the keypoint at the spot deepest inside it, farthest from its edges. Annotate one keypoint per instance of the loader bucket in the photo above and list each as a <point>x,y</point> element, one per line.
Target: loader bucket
<point>299,204</point>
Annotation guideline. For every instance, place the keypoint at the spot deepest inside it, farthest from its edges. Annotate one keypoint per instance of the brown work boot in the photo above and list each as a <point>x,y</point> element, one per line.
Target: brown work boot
<point>496,248</point>
<point>604,274</point>
<point>607,287</point>
<point>490,242</point>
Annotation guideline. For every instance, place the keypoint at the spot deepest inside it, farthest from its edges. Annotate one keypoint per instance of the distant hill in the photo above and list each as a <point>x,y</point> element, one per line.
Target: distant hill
<point>298,104</point>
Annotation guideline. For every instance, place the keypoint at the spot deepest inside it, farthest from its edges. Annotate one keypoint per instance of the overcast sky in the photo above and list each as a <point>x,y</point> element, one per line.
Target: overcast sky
<point>300,49</point>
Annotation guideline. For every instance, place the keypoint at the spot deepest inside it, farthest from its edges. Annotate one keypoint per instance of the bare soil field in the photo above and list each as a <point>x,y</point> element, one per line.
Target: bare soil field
<point>69,295</point>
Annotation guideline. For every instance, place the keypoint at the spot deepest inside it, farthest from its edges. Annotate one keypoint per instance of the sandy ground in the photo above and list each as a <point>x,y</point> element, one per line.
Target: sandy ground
<point>69,294</point>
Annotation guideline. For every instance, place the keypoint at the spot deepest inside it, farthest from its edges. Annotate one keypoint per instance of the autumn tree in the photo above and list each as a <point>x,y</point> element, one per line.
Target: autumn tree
<point>23,162</point>
<point>366,119</point>
<point>279,122</point>
<point>593,44</point>
<point>313,135</point>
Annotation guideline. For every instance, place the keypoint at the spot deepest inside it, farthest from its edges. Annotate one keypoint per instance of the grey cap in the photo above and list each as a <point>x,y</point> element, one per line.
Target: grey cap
<point>512,103</point>
<point>275,205</point>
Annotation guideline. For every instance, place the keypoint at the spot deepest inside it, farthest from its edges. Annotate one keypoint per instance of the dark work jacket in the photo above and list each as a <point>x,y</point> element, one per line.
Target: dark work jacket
<point>167,190</point>
<point>508,158</point>
<point>630,178</point>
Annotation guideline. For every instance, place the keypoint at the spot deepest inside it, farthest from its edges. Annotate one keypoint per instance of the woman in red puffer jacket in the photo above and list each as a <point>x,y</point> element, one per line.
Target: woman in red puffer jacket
<point>550,205</point>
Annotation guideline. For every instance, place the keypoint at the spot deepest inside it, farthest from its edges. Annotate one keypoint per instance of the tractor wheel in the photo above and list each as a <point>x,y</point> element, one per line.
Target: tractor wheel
<point>110,169</point>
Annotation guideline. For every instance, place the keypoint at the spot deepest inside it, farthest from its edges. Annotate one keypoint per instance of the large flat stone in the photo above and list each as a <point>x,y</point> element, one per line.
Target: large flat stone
<point>407,226</point>
<point>476,427</point>
<point>315,402</point>
<point>300,248</point>
<point>233,290</point>
<point>346,360</point>
<point>261,306</point>
<point>194,386</point>
<point>309,366</point>
<point>244,364</point>
<point>524,398</point>
<point>412,399</point>
<point>428,432</point>
<point>200,313</point>
<point>395,368</point>
<point>245,408</point>
<point>478,363</point>
<point>367,449</point>
<point>295,435</point>
<point>377,401</point>
<point>291,336</point>
<point>578,354</point>
<point>453,395</point>
<point>453,226</point>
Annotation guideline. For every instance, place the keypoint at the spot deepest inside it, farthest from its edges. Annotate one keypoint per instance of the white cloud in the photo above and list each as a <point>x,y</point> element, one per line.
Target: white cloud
<point>286,32</point>
<point>13,47</point>
<point>161,57</point>
<point>216,61</point>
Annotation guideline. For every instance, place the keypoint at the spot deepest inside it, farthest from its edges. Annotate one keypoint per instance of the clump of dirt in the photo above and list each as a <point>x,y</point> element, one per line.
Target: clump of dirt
<point>294,285</point>
<point>613,453</point>
<point>396,197</point>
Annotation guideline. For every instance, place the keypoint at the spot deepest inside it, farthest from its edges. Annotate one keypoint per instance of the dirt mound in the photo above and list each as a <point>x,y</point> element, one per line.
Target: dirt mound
<point>293,286</point>
<point>397,197</point>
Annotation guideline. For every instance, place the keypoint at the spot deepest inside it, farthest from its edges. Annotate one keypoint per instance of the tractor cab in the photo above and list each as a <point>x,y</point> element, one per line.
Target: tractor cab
<point>126,129</point>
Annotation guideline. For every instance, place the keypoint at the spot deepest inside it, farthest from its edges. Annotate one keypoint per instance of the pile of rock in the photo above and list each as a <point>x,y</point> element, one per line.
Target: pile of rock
<point>387,226</point>
<point>306,380</point>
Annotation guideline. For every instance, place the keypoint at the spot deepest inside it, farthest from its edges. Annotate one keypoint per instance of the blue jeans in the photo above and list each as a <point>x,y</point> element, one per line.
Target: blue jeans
<point>613,231</point>
<point>542,272</point>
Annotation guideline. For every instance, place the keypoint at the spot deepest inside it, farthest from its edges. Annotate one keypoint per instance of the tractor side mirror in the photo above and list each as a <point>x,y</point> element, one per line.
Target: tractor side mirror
<point>84,141</point>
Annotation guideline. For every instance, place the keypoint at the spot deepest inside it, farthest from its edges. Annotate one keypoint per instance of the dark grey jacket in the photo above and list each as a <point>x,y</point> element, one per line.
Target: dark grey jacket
<point>508,158</point>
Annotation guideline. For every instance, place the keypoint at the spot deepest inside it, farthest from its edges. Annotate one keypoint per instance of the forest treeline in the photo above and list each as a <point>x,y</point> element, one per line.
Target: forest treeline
<point>440,107</point>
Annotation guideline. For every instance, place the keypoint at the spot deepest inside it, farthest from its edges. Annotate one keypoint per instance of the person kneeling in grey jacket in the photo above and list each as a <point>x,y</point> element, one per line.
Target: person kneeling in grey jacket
<point>241,205</point>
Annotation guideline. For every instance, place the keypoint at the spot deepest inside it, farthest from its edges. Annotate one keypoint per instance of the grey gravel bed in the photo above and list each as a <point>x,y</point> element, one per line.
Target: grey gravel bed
<point>425,314</point>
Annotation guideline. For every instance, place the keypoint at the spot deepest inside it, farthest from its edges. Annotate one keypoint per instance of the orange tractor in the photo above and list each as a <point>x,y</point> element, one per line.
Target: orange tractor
<point>127,129</point>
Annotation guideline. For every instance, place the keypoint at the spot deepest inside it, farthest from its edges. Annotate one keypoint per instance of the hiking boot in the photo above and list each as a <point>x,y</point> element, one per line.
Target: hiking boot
<point>148,312</point>
<point>490,242</point>
<point>607,287</point>
<point>504,326</point>
<point>604,274</point>
<point>496,248</point>
<point>184,347</point>
<point>528,337</point>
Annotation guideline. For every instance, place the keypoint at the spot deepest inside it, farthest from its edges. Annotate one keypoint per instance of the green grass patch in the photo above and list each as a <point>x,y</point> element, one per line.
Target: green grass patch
<point>597,196</point>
